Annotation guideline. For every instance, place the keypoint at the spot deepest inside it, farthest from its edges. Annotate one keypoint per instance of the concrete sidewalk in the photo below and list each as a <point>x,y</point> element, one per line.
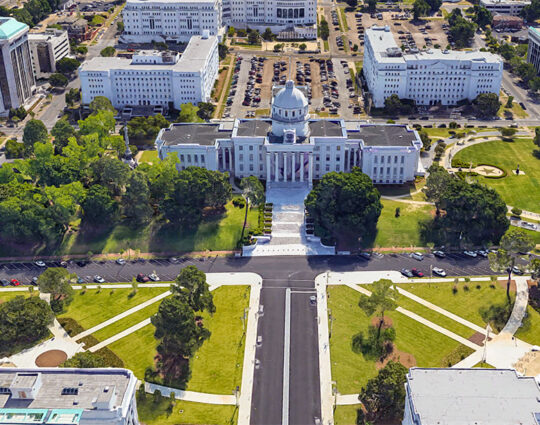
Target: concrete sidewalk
<point>191,395</point>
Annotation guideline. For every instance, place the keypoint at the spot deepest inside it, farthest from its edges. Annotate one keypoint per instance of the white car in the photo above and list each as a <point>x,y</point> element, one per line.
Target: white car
<point>40,264</point>
<point>154,277</point>
<point>483,253</point>
<point>121,261</point>
<point>417,256</point>
<point>439,272</point>
<point>98,279</point>
<point>471,254</point>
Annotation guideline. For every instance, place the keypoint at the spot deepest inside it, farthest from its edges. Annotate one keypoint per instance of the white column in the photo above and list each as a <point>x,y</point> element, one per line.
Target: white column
<point>293,166</point>
<point>302,157</point>
<point>230,160</point>
<point>268,168</point>
<point>276,164</point>
<point>310,169</point>
<point>285,158</point>
<point>355,158</point>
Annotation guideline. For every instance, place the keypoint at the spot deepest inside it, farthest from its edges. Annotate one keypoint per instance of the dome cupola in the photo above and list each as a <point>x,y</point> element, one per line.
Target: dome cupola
<point>290,110</point>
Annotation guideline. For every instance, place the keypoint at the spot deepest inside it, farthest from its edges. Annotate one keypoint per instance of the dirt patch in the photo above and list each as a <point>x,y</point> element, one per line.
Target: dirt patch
<point>502,284</point>
<point>387,322</point>
<point>406,359</point>
<point>51,358</point>
<point>478,338</point>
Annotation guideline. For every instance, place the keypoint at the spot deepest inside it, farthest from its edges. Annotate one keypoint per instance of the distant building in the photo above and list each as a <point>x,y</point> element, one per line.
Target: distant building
<point>68,396</point>
<point>153,78</point>
<point>76,27</point>
<point>431,77</point>
<point>470,396</point>
<point>170,20</point>
<point>292,148</point>
<point>47,48</point>
<point>505,7</point>
<point>533,53</point>
<point>17,82</point>
<point>507,21</point>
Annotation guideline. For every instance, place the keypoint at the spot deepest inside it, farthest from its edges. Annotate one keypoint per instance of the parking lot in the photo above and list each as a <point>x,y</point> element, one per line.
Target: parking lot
<point>328,84</point>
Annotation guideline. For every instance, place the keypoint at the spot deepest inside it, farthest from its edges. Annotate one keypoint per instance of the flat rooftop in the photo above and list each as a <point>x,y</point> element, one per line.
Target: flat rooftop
<point>253,128</point>
<point>473,396</point>
<point>325,128</point>
<point>61,388</point>
<point>383,135</point>
<point>194,134</point>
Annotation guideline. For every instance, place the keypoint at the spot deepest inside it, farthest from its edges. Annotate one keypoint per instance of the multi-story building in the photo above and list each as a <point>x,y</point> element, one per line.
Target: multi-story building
<point>293,148</point>
<point>506,21</point>
<point>154,78</point>
<point>533,53</point>
<point>47,48</point>
<point>76,27</point>
<point>505,7</point>
<point>470,396</point>
<point>17,81</point>
<point>170,20</point>
<point>431,77</point>
<point>68,396</point>
<point>298,17</point>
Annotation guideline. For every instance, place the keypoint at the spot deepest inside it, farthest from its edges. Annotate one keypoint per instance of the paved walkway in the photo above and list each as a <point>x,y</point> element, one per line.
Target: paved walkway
<point>520,306</point>
<point>347,399</point>
<point>121,315</point>
<point>288,227</point>
<point>191,395</point>
<point>120,335</point>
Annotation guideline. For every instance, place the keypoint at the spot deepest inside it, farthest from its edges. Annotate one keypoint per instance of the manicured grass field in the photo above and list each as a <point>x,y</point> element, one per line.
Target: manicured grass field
<point>519,191</point>
<point>92,307</point>
<point>351,371</point>
<point>192,413</point>
<point>531,331</point>
<point>217,367</point>
<point>215,234</point>
<point>346,415</point>
<point>7,296</point>
<point>149,156</point>
<point>403,230</point>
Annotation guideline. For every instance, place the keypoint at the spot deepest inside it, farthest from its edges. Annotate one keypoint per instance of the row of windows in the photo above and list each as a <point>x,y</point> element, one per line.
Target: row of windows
<point>388,169</point>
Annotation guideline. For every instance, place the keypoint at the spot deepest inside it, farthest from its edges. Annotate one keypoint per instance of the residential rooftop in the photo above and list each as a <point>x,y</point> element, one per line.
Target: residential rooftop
<point>472,397</point>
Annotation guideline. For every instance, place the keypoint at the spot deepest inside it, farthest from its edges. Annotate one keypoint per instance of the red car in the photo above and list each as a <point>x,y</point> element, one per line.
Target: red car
<point>15,282</point>
<point>142,278</point>
<point>417,273</point>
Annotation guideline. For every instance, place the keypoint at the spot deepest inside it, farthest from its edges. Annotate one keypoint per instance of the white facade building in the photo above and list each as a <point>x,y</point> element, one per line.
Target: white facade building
<point>170,20</point>
<point>293,148</point>
<point>292,16</point>
<point>533,52</point>
<point>505,7</point>
<point>429,77</point>
<point>47,48</point>
<point>17,81</point>
<point>154,78</point>
<point>470,396</point>
<point>68,396</point>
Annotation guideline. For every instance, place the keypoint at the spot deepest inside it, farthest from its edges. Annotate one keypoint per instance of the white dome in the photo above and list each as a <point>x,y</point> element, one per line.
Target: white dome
<point>290,97</point>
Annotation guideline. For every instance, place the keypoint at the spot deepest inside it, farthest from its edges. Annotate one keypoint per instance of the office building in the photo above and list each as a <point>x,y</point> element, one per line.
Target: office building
<point>17,82</point>
<point>153,78</point>
<point>470,396</point>
<point>533,53</point>
<point>170,20</point>
<point>76,27</point>
<point>293,148</point>
<point>47,48</point>
<point>507,22</point>
<point>431,77</point>
<point>68,396</point>
<point>505,7</point>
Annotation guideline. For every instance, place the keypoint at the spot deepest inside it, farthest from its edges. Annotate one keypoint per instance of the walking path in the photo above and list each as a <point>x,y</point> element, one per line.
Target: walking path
<point>191,395</point>
<point>120,335</point>
<point>230,70</point>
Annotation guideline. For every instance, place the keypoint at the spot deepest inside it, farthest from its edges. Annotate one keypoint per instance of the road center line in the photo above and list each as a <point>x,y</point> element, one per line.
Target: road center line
<point>286,358</point>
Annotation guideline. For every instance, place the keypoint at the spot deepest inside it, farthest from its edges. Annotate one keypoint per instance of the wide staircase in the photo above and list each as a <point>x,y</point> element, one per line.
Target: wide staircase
<point>288,227</point>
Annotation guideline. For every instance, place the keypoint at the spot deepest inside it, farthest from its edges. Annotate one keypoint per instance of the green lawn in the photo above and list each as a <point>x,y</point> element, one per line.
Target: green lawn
<point>351,371</point>
<point>217,367</point>
<point>149,156</point>
<point>531,331</point>
<point>519,191</point>
<point>343,15</point>
<point>7,296</point>
<point>403,230</point>
<point>346,415</point>
<point>185,413</point>
<point>90,308</point>
<point>215,234</point>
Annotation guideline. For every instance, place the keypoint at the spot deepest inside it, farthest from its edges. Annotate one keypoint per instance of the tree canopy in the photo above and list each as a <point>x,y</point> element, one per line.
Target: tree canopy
<point>191,287</point>
<point>57,281</point>
<point>487,104</point>
<point>67,65</point>
<point>58,80</point>
<point>34,132</point>
<point>85,359</point>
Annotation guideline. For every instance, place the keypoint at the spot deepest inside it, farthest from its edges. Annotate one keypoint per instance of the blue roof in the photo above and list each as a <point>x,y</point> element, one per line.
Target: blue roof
<point>22,416</point>
<point>9,27</point>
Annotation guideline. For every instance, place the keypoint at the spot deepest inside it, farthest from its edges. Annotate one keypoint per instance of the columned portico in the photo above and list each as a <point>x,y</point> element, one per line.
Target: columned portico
<point>288,167</point>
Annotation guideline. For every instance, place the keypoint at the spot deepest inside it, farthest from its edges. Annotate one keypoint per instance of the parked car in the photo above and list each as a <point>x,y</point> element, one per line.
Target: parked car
<point>483,253</point>
<point>40,263</point>
<point>80,279</point>
<point>121,261</point>
<point>34,281</point>
<point>154,277</point>
<point>439,272</point>
<point>364,255</point>
<point>439,254</point>
<point>142,278</point>
<point>4,282</point>
<point>15,282</point>
<point>313,300</point>
<point>417,256</point>
<point>63,264</point>
<point>417,273</point>
<point>517,270</point>
<point>469,253</point>
<point>406,273</point>
<point>98,279</point>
